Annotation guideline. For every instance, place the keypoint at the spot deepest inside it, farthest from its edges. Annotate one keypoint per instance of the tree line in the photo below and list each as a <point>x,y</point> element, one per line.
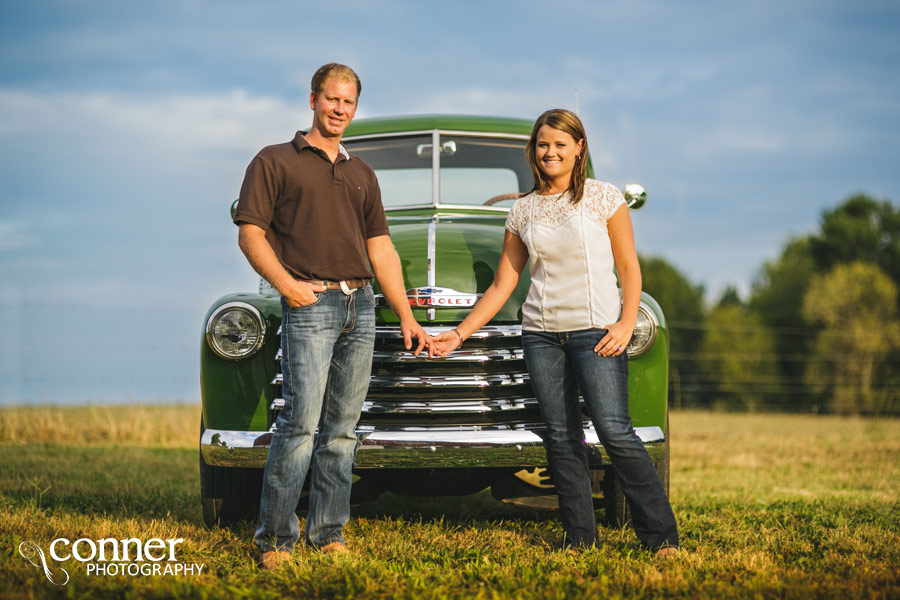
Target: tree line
<point>819,332</point>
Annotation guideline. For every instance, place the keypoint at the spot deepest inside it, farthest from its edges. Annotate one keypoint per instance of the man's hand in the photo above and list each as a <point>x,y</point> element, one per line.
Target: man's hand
<point>411,329</point>
<point>301,293</point>
<point>446,343</point>
<point>259,253</point>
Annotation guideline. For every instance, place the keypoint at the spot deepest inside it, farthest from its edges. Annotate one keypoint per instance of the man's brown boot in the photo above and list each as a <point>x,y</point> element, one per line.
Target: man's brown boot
<point>335,548</point>
<point>273,559</point>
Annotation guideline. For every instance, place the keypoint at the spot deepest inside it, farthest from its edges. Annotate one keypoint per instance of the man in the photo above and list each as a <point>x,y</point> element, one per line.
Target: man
<point>311,221</point>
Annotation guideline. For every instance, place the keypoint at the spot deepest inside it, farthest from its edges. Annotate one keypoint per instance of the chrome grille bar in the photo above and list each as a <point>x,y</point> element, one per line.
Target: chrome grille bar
<point>486,379</point>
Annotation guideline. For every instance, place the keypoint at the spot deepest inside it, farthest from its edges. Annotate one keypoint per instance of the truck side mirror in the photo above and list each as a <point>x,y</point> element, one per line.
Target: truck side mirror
<point>635,196</point>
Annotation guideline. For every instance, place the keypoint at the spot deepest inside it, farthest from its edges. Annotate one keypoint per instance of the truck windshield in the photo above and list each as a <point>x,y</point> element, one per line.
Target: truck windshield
<point>473,170</point>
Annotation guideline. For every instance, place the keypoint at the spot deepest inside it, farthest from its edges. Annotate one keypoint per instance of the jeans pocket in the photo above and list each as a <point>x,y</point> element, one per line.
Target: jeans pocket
<point>370,295</point>
<point>311,304</point>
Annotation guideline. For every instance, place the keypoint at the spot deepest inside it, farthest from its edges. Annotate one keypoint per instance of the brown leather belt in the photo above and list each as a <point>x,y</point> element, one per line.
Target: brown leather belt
<point>347,284</point>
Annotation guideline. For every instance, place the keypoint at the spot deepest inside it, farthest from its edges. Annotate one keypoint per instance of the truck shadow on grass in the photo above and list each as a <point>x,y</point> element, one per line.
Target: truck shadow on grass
<point>476,515</point>
<point>480,506</point>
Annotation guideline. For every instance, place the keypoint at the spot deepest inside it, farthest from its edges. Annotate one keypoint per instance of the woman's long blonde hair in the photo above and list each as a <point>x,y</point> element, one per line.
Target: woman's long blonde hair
<point>568,122</point>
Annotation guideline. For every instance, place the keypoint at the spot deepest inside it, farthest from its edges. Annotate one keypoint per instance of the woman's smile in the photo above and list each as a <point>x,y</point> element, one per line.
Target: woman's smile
<point>556,153</point>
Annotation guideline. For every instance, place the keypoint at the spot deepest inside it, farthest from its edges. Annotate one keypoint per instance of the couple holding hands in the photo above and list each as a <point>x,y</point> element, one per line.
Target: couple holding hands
<point>312,222</point>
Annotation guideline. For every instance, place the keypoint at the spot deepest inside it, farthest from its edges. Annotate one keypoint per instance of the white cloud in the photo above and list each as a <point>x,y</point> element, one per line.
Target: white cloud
<point>732,140</point>
<point>229,121</point>
<point>14,235</point>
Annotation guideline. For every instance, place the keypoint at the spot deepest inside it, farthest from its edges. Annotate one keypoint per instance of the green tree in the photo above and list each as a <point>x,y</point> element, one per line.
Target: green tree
<point>780,285</point>
<point>738,353</point>
<point>682,303</point>
<point>856,305</point>
<point>777,300</point>
<point>860,229</point>
<point>731,297</point>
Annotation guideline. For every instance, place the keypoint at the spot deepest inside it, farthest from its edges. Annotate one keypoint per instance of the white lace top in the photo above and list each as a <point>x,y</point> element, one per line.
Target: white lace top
<point>572,281</point>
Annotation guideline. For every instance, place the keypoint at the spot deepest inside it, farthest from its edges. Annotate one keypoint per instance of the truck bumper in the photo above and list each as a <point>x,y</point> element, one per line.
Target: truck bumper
<point>421,448</point>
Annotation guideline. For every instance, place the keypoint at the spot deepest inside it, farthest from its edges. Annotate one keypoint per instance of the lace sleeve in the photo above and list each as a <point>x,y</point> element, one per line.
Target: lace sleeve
<point>515,221</point>
<point>615,199</point>
<point>603,199</point>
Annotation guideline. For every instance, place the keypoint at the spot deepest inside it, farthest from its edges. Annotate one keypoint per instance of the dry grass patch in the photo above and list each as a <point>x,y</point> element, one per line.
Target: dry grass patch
<point>769,506</point>
<point>142,425</point>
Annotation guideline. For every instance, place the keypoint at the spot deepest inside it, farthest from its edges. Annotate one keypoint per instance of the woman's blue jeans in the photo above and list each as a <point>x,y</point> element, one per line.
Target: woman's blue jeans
<point>559,364</point>
<point>326,361</point>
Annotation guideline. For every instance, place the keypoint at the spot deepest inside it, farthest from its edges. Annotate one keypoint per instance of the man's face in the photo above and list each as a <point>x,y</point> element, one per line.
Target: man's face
<point>334,107</point>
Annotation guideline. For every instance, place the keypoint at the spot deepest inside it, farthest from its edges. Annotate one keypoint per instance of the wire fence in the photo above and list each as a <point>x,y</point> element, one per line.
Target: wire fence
<point>116,353</point>
<point>818,374</point>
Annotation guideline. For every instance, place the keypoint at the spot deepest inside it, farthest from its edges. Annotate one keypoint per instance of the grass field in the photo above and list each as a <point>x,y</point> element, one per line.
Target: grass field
<point>769,506</point>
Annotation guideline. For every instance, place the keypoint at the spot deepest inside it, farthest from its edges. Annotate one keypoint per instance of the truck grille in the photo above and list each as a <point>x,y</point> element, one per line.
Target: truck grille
<point>484,384</point>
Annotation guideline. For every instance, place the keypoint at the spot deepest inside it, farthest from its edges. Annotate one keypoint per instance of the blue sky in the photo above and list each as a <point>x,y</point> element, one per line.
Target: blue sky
<point>125,129</point>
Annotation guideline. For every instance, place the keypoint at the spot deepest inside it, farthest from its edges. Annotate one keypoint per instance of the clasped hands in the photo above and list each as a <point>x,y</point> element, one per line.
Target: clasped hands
<point>438,346</point>
<point>612,344</point>
<point>445,343</point>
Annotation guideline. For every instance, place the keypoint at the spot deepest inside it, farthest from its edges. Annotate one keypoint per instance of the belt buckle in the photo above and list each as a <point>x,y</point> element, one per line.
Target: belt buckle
<point>346,288</point>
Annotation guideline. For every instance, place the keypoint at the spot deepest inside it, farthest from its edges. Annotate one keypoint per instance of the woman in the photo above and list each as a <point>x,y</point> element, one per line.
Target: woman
<point>575,327</point>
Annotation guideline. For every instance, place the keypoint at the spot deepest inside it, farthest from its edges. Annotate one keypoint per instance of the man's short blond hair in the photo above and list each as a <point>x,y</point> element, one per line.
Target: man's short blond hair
<point>337,71</point>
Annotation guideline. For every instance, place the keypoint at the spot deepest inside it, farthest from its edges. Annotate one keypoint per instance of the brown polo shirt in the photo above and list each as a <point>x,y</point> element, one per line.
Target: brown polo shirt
<point>317,214</point>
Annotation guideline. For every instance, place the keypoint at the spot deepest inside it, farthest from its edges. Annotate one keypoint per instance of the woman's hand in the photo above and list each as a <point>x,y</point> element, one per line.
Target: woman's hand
<point>616,339</point>
<point>447,342</point>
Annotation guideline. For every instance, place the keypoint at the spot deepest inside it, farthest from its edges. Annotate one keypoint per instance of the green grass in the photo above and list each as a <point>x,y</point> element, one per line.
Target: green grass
<point>779,506</point>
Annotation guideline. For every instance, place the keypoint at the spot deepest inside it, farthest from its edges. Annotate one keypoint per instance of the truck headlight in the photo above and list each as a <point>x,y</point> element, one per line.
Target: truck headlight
<point>235,330</point>
<point>646,330</point>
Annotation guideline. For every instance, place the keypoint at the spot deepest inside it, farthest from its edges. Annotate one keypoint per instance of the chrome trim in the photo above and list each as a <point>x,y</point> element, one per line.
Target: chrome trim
<point>448,207</point>
<point>254,312</point>
<point>267,289</point>
<point>462,132</point>
<point>635,196</point>
<point>475,355</point>
<point>435,168</point>
<point>395,134</point>
<point>465,447</point>
<point>488,331</point>
<point>469,380</point>
<point>425,296</point>
<point>425,381</point>
<point>430,266</point>
<point>497,209</point>
<point>409,207</point>
<point>443,406</point>
<point>511,136</point>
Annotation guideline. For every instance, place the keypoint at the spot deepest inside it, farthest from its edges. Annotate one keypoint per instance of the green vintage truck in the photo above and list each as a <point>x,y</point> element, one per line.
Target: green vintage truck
<point>429,427</point>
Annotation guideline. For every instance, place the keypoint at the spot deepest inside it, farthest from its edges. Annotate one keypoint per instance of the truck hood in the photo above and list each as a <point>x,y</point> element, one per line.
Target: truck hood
<point>466,252</point>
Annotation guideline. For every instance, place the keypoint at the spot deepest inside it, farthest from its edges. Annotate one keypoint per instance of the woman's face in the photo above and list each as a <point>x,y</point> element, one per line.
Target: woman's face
<point>555,151</point>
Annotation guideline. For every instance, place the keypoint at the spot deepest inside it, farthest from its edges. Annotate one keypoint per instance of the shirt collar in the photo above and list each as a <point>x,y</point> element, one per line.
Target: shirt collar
<point>300,142</point>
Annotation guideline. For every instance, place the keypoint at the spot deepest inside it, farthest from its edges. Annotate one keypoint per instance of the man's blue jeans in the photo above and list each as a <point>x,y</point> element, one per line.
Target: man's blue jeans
<point>559,364</point>
<point>326,361</point>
